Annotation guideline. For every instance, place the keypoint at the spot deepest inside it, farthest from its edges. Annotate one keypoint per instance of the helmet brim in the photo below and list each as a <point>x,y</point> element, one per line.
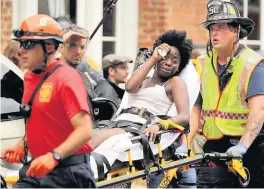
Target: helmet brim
<point>246,24</point>
<point>58,39</point>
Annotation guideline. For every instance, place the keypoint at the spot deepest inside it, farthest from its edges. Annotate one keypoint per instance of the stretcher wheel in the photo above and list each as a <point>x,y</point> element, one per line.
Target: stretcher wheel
<point>244,183</point>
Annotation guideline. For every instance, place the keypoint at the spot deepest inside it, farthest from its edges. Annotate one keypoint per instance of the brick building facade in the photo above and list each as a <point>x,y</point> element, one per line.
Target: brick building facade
<point>155,17</point>
<point>137,22</point>
<point>6,22</point>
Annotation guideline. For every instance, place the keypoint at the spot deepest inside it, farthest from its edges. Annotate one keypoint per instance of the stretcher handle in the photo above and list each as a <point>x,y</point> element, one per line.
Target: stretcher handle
<point>167,123</point>
<point>186,131</point>
<point>222,156</point>
<point>181,128</point>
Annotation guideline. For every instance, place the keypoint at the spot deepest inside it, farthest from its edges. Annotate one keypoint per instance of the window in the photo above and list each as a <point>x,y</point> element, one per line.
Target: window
<point>11,94</point>
<point>251,9</point>
<point>109,31</point>
<point>254,47</point>
<point>62,9</point>
<point>119,32</point>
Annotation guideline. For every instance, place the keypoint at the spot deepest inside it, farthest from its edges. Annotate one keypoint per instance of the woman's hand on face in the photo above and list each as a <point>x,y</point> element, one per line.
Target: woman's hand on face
<point>151,132</point>
<point>163,48</point>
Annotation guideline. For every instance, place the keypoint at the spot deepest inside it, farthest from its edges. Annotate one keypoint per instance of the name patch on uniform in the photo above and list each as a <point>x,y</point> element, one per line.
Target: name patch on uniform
<point>45,92</point>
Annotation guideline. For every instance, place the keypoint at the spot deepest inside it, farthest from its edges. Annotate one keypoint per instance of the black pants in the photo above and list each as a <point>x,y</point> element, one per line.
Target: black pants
<point>219,177</point>
<point>66,175</point>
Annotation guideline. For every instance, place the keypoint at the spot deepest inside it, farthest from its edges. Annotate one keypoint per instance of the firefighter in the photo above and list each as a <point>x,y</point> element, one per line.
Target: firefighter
<point>59,125</point>
<point>232,96</point>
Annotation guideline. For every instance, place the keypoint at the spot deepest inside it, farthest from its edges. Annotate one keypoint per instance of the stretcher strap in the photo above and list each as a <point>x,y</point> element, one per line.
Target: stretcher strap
<point>90,95</point>
<point>148,155</point>
<point>103,124</point>
<point>118,124</point>
<point>3,182</point>
<point>142,112</point>
<point>107,124</point>
<point>100,161</point>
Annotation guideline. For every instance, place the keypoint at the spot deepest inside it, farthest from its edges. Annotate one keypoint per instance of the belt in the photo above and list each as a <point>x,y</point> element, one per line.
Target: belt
<point>74,160</point>
<point>142,112</point>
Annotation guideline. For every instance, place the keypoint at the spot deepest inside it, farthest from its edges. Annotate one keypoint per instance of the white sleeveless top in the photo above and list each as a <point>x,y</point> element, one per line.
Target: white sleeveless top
<point>154,99</point>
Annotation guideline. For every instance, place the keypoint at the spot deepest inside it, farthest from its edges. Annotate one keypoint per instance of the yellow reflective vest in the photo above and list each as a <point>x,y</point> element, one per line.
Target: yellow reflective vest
<point>226,112</point>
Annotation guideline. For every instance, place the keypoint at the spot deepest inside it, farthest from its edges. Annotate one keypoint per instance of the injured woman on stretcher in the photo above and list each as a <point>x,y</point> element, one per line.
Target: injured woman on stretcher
<point>161,92</point>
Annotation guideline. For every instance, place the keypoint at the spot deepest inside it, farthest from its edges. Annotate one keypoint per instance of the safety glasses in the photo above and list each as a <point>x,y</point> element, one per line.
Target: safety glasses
<point>74,46</point>
<point>28,44</point>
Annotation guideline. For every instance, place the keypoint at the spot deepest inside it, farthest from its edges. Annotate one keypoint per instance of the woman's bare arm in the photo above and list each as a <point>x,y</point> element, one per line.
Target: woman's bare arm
<point>181,100</point>
<point>134,83</point>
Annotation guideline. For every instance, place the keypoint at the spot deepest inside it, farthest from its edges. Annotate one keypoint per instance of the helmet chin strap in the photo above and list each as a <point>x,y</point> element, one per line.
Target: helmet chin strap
<point>237,39</point>
<point>44,64</point>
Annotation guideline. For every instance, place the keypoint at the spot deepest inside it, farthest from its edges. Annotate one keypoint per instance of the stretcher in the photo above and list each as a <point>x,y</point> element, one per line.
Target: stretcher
<point>119,168</point>
<point>132,151</point>
<point>207,160</point>
<point>168,162</point>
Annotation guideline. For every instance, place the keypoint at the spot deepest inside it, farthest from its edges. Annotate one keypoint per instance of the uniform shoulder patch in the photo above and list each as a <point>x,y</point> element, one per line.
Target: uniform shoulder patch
<point>45,92</point>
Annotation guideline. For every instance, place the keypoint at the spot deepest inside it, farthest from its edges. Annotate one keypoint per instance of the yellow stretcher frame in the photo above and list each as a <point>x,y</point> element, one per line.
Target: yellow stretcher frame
<point>129,174</point>
<point>234,165</point>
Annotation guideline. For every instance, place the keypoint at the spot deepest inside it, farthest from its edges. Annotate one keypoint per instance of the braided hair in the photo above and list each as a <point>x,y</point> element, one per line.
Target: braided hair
<point>178,40</point>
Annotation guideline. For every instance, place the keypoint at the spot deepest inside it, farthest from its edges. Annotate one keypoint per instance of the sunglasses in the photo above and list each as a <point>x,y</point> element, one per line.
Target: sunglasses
<point>28,44</point>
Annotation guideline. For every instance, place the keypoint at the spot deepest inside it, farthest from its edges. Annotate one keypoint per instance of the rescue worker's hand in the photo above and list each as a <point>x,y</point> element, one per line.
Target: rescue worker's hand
<point>164,49</point>
<point>42,165</point>
<point>151,132</point>
<point>239,149</point>
<point>14,154</point>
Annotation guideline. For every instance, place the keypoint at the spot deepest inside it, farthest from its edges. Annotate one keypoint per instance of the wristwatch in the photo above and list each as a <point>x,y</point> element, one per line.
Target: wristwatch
<point>56,156</point>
